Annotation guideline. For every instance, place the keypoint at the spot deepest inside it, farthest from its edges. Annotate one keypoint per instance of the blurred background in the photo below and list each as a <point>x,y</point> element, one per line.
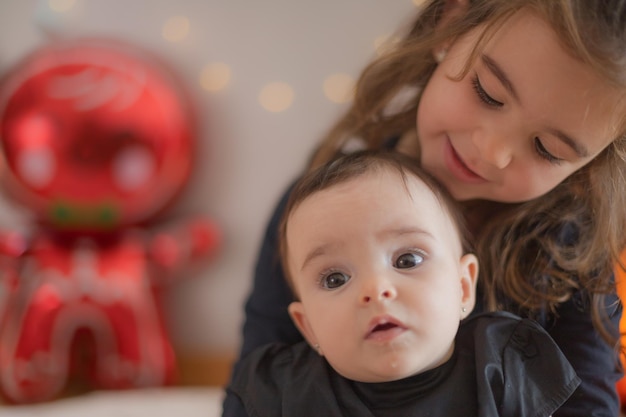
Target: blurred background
<point>267,78</point>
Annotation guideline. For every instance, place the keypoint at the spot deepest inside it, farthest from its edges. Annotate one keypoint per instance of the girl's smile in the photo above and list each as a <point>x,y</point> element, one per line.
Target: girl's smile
<point>458,167</point>
<point>518,119</point>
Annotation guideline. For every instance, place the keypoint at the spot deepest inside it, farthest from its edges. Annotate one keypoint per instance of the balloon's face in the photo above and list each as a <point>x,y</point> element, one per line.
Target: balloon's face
<point>93,137</point>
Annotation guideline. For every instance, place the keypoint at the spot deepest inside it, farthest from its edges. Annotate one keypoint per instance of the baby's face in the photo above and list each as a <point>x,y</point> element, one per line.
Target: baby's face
<point>381,277</point>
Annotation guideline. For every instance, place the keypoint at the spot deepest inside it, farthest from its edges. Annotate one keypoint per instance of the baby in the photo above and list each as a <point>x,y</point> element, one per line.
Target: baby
<point>375,252</point>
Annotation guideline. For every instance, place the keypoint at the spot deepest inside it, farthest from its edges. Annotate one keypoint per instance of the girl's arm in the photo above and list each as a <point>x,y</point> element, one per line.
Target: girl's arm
<point>266,316</point>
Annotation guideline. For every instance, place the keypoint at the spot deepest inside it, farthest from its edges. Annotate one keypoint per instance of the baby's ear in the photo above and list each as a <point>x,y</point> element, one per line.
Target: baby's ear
<point>469,276</point>
<point>298,316</point>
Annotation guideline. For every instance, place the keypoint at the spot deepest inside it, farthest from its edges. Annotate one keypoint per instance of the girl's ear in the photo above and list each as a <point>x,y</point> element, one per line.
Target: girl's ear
<point>469,277</point>
<point>452,9</point>
<point>298,316</point>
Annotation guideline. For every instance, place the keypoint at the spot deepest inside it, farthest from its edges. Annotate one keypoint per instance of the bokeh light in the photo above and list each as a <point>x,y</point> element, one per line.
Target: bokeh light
<point>339,88</point>
<point>215,76</point>
<point>176,28</point>
<point>276,97</point>
<point>61,6</point>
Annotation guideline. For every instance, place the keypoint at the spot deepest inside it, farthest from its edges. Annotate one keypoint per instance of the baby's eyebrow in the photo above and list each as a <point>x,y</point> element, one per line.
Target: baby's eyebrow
<point>316,253</point>
<point>399,231</point>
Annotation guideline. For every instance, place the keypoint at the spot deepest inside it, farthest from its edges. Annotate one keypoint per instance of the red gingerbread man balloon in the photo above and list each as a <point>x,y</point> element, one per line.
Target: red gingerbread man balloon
<point>98,142</point>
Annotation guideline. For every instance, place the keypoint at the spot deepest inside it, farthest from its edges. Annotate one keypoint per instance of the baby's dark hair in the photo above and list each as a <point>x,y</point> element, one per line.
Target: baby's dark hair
<point>353,165</point>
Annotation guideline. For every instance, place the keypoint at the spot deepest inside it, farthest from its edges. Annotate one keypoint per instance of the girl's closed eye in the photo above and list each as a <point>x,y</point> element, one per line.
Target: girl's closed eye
<point>544,153</point>
<point>491,102</point>
<point>332,280</point>
<point>409,260</point>
<point>483,95</point>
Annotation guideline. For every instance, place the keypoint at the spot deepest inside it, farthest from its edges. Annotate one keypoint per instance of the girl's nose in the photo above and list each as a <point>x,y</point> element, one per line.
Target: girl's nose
<point>494,149</point>
<point>378,290</point>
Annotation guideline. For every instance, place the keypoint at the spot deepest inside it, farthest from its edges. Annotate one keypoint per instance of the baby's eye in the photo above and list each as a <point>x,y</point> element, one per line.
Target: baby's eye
<point>334,280</point>
<point>409,260</point>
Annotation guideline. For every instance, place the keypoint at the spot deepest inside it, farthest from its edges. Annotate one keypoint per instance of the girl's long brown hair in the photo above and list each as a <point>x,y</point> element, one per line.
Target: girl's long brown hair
<point>536,254</point>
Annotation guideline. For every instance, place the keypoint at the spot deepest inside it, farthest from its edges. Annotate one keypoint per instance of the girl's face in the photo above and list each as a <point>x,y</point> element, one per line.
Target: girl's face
<point>525,116</point>
<point>380,275</point>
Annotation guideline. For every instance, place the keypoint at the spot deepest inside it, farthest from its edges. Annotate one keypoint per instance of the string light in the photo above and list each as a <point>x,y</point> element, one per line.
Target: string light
<point>339,88</point>
<point>215,77</point>
<point>276,97</point>
<point>176,29</point>
<point>61,6</point>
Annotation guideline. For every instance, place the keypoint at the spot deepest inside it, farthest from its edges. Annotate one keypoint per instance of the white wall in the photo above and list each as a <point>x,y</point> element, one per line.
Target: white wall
<point>249,154</point>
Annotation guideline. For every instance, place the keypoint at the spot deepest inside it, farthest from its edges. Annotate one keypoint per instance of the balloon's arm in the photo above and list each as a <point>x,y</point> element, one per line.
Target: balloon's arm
<point>190,241</point>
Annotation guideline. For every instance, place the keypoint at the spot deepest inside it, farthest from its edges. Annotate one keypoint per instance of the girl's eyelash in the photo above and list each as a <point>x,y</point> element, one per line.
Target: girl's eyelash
<point>543,153</point>
<point>488,100</point>
<point>482,94</point>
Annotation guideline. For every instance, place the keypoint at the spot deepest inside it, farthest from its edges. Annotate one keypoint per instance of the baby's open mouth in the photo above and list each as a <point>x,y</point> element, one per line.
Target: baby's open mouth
<point>384,328</point>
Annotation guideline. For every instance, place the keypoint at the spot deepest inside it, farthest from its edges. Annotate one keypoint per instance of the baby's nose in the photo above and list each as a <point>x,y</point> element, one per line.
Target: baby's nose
<point>378,290</point>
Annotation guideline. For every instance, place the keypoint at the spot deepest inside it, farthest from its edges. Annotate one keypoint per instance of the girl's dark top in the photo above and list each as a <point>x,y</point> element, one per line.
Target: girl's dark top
<point>595,362</point>
<point>502,366</point>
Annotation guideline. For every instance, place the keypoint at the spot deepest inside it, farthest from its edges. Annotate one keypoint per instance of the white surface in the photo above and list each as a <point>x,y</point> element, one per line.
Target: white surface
<point>178,402</point>
<point>248,154</point>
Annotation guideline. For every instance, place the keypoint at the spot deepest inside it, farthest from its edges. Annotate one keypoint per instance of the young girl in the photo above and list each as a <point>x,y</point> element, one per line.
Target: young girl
<point>518,107</point>
<point>375,251</point>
